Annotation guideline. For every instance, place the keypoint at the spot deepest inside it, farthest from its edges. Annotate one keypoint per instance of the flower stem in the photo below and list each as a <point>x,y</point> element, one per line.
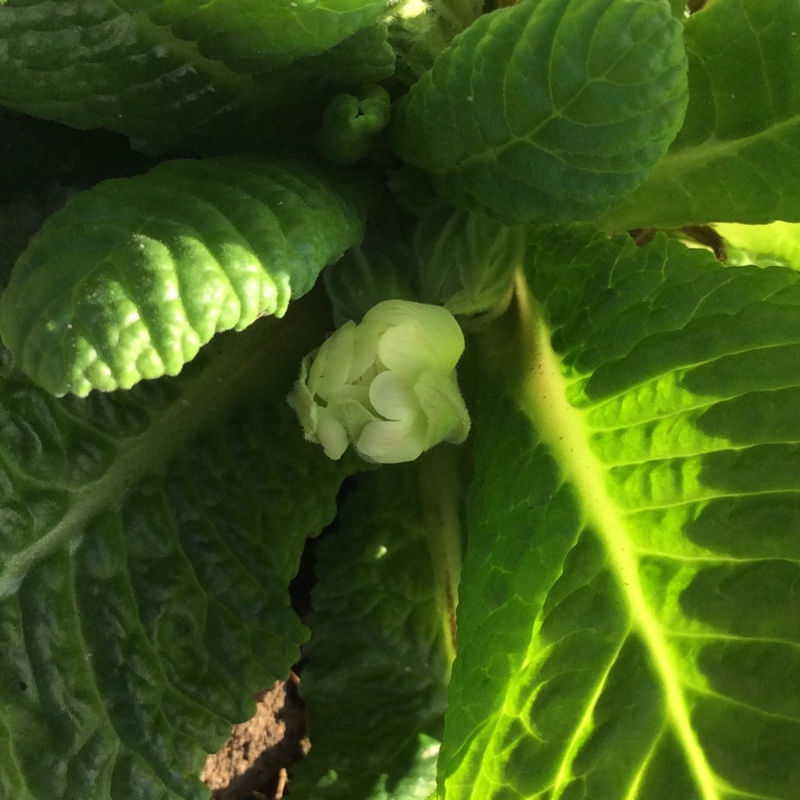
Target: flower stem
<point>441,498</point>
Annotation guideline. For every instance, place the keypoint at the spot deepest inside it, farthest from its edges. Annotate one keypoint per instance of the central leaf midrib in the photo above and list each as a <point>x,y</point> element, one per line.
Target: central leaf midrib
<point>563,429</point>
<point>241,366</point>
<point>699,155</point>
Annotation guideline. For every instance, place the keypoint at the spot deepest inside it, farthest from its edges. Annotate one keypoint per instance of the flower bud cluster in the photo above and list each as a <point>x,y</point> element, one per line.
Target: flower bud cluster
<point>387,386</point>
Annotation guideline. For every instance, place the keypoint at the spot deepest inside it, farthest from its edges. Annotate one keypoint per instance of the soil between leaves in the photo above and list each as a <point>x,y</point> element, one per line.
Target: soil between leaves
<point>252,764</point>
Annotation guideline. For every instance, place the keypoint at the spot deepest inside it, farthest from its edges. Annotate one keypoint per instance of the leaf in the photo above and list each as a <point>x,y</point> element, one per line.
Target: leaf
<point>628,619</point>
<point>548,111</point>
<point>380,641</point>
<point>466,261</point>
<point>147,539</point>
<point>166,260</point>
<point>419,31</point>
<point>379,268</point>
<point>736,157</point>
<point>777,243</point>
<point>210,77</point>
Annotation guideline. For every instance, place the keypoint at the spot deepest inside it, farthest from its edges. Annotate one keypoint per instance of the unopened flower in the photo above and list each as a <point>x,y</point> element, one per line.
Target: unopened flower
<point>387,386</point>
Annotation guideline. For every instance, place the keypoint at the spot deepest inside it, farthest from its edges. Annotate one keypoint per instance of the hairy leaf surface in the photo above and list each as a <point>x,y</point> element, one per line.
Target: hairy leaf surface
<point>737,157</point>
<point>178,74</point>
<point>147,539</point>
<point>166,260</point>
<point>628,620</point>
<point>380,643</point>
<point>548,111</point>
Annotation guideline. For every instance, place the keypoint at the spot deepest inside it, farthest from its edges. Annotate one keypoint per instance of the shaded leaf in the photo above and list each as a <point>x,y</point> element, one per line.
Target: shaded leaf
<point>147,539</point>
<point>209,77</point>
<point>736,157</point>
<point>548,111</point>
<point>380,641</point>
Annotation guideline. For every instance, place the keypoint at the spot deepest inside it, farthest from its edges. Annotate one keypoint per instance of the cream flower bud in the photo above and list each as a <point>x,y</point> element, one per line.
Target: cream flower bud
<point>387,386</point>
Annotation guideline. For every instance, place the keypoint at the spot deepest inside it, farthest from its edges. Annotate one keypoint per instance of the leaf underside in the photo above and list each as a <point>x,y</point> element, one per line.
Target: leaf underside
<point>631,626</point>
<point>164,262</point>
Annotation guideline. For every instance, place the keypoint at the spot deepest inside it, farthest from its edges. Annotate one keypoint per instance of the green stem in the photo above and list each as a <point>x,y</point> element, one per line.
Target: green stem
<point>441,499</point>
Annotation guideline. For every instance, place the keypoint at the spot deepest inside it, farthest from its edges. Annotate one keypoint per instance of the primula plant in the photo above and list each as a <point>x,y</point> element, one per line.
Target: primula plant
<point>501,296</point>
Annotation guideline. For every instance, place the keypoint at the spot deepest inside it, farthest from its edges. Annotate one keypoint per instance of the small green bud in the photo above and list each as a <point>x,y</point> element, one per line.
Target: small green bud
<point>387,386</point>
<point>351,124</point>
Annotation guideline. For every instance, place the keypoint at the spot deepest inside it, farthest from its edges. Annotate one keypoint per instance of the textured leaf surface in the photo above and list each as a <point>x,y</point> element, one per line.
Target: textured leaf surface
<point>466,261</point>
<point>208,76</point>
<point>378,648</point>
<point>628,619</point>
<point>162,262</point>
<point>737,157</point>
<point>143,582</point>
<point>548,111</point>
<point>380,268</point>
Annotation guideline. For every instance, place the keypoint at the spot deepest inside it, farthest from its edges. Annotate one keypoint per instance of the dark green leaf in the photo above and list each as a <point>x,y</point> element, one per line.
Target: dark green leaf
<point>736,158</point>
<point>548,111</point>
<point>381,634</point>
<point>466,261</point>
<point>175,75</point>
<point>147,539</point>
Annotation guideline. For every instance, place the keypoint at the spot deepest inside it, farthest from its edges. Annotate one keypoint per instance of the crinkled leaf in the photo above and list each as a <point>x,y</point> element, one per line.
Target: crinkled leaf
<point>166,260</point>
<point>379,268</point>
<point>737,157</point>
<point>466,261</point>
<point>628,619</point>
<point>380,642</point>
<point>147,539</point>
<point>178,75</point>
<point>548,111</point>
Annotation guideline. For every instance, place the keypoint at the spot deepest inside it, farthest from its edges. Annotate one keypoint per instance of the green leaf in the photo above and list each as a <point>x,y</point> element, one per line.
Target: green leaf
<point>147,539</point>
<point>777,243</point>
<point>466,261</point>
<point>166,260</point>
<point>210,77</point>
<point>381,636</point>
<point>548,111</point>
<point>736,158</point>
<point>420,29</point>
<point>380,268</point>
<point>628,619</point>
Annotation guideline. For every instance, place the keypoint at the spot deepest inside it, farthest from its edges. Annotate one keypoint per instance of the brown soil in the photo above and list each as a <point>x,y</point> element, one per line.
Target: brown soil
<point>252,765</point>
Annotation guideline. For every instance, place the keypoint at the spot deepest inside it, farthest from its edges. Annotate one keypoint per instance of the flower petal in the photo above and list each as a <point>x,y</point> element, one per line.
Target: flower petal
<point>442,407</point>
<point>420,337</point>
<point>392,442</point>
<point>331,434</point>
<point>353,414</point>
<point>393,398</point>
<point>332,363</point>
